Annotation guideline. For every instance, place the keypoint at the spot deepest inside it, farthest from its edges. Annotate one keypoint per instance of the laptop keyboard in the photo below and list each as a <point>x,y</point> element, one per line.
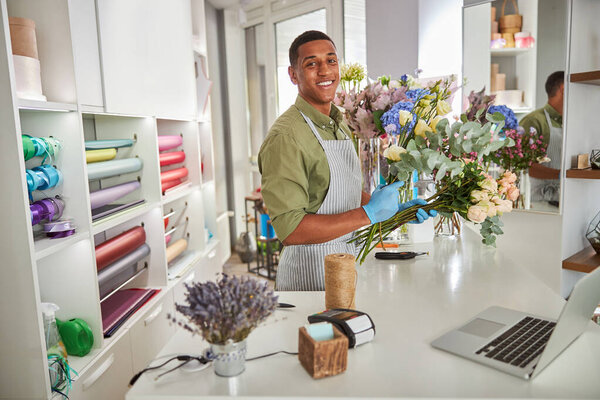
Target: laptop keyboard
<point>520,344</point>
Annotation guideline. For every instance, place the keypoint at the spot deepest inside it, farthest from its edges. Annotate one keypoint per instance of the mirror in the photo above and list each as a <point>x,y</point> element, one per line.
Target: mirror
<point>514,65</point>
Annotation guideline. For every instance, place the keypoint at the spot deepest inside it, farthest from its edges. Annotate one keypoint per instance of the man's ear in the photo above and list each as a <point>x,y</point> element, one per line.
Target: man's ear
<point>293,76</point>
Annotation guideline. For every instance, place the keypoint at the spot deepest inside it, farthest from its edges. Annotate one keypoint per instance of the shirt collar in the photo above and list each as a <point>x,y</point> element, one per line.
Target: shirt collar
<point>553,114</point>
<point>318,117</point>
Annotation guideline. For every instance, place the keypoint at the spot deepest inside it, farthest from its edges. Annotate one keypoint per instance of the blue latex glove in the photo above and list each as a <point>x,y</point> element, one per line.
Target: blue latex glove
<point>421,214</point>
<point>384,202</point>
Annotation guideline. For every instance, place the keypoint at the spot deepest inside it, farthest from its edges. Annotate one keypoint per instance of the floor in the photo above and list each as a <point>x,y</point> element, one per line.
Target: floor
<point>235,266</point>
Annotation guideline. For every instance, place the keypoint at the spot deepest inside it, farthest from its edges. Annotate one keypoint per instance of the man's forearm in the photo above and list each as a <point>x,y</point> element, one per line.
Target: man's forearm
<point>540,171</point>
<point>320,228</point>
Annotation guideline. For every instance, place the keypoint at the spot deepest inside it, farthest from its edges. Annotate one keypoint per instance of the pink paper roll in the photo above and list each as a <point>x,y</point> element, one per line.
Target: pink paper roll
<point>171,158</point>
<point>167,142</point>
<point>120,245</point>
<point>173,175</point>
<point>167,239</point>
<point>169,184</point>
<point>106,196</point>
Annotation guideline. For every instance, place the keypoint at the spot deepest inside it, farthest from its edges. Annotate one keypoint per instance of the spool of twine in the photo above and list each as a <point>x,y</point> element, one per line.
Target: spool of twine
<point>340,281</point>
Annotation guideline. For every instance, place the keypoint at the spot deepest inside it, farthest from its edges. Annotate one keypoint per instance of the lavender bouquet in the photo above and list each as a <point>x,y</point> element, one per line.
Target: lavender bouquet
<point>228,309</point>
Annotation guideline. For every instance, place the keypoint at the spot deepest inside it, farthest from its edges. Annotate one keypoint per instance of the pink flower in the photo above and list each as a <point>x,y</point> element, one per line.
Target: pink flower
<point>509,176</point>
<point>504,206</point>
<point>476,214</point>
<point>512,193</point>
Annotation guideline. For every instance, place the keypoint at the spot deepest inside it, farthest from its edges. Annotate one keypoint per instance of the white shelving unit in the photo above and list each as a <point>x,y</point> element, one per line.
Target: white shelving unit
<point>96,57</point>
<point>519,65</point>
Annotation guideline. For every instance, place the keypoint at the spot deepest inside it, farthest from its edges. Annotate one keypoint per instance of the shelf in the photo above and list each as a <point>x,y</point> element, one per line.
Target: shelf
<point>208,183</point>
<point>178,192</point>
<point>46,246</point>
<point>36,105</point>
<point>589,77</point>
<point>586,260</point>
<point>583,173</point>
<point>210,246</point>
<point>181,266</point>
<point>119,218</point>
<point>92,109</point>
<point>522,110</point>
<point>509,51</point>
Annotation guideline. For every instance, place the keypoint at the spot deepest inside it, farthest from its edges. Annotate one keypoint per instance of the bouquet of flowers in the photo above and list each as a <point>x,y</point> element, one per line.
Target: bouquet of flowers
<point>527,150</point>
<point>463,185</point>
<point>226,310</point>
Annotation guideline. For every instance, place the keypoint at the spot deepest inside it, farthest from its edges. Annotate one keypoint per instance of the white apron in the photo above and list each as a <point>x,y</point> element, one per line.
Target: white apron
<point>549,189</point>
<point>301,267</point>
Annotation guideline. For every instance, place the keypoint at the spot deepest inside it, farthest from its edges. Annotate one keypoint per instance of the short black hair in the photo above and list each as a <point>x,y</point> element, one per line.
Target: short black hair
<point>305,37</point>
<point>554,81</point>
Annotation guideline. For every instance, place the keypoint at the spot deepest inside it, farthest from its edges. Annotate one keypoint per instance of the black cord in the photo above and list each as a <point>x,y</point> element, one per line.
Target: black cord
<point>186,359</point>
<point>271,354</point>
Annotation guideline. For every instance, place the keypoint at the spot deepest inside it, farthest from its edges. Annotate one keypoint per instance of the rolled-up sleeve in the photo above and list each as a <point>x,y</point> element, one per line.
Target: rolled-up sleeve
<point>284,184</point>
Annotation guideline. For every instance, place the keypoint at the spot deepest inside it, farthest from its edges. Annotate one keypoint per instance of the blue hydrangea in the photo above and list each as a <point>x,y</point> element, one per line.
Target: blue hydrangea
<point>390,119</point>
<point>510,121</point>
<point>415,94</point>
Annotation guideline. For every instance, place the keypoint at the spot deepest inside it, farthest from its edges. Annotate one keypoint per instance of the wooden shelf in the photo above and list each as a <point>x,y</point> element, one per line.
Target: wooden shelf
<point>586,260</point>
<point>583,173</point>
<point>589,77</point>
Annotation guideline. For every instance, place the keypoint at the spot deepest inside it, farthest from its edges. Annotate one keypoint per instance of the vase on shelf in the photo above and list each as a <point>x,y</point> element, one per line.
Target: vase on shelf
<point>447,226</point>
<point>369,156</point>
<point>229,359</point>
<point>523,183</point>
<point>593,233</point>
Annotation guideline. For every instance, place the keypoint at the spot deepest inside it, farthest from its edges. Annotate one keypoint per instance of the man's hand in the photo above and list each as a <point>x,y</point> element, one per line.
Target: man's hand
<point>383,203</point>
<point>422,215</point>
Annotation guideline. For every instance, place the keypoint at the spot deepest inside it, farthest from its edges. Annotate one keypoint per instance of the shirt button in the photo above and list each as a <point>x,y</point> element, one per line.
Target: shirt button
<point>323,127</point>
<point>330,122</point>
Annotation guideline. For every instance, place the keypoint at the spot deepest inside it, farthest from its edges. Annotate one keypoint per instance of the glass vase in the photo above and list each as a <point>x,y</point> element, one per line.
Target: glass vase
<point>229,359</point>
<point>401,234</point>
<point>593,233</point>
<point>368,154</point>
<point>523,183</point>
<point>447,226</point>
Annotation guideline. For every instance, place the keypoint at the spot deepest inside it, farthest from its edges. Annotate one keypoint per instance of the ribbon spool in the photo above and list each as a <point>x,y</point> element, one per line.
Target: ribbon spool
<point>46,209</point>
<point>59,229</point>
<point>48,147</point>
<point>43,177</point>
<point>28,147</point>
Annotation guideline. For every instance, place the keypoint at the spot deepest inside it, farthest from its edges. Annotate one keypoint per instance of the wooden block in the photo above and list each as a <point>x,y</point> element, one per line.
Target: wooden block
<point>583,161</point>
<point>325,358</point>
<point>500,82</point>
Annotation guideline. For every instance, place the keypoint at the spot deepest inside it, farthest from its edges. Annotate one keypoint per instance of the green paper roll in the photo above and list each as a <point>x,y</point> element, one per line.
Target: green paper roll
<point>105,169</point>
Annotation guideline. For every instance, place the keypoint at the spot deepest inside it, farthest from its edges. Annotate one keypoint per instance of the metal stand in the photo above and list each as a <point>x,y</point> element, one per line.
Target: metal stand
<point>268,250</point>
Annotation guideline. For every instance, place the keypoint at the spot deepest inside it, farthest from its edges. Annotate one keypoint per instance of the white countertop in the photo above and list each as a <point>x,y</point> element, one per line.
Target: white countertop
<point>411,303</point>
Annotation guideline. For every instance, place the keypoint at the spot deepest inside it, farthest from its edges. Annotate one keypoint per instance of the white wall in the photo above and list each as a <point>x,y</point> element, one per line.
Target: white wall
<point>440,41</point>
<point>551,43</point>
<point>392,30</point>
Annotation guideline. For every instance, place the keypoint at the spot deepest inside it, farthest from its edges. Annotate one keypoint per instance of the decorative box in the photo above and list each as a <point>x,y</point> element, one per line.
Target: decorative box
<point>323,358</point>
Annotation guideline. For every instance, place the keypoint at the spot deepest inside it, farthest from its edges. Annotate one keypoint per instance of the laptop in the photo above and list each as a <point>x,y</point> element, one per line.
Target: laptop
<point>519,343</point>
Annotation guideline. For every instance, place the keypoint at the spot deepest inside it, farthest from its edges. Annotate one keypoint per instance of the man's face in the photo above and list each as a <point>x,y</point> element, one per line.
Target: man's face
<point>316,73</point>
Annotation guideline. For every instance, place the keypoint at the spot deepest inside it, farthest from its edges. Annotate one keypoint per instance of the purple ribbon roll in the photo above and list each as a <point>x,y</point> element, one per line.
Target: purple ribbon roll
<point>167,142</point>
<point>49,209</point>
<point>59,229</point>
<point>106,196</point>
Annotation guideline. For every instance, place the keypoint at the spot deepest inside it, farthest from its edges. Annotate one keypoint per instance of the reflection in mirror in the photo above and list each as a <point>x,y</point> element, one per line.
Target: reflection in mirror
<point>512,48</point>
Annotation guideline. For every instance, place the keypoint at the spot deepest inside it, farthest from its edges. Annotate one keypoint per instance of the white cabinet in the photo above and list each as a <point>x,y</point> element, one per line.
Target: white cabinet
<point>110,70</point>
<point>147,59</point>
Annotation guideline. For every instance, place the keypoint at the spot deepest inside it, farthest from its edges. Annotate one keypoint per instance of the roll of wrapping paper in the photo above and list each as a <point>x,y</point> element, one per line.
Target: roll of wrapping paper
<point>121,270</point>
<point>167,239</point>
<point>107,144</point>
<point>173,174</point>
<point>92,156</point>
<point>168,142</point>
<point>340,281</point>
<point>173,157</point>
<point>105,169</point>
<point>166,221</point>
<point>106,196</point>
<point>176,249</point>
<point>169,184</point>
<point>117,247</point>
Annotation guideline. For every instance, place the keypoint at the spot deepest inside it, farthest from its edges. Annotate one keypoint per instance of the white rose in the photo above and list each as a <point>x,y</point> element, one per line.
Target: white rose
<point>404,117</point>
<point>434,122</point>
<point>421,128</point>
<point>489,184</point>
<point>443,107</point>
<point>394,152</point>
<point>504,206</point>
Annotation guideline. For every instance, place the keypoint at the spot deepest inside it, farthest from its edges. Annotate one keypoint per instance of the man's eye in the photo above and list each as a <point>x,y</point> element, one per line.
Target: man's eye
<point>333,61</point>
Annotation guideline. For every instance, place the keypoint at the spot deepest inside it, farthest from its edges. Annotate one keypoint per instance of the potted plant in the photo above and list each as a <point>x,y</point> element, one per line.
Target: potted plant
<point>224,313</point>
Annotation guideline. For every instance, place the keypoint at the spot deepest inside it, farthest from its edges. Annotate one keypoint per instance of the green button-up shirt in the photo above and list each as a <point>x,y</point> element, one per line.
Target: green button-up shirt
<point>537,119</point>
<point>294,168</point>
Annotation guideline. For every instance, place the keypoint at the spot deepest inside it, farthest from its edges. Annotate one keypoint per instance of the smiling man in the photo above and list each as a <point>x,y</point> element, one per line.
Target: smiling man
<point>311,181</point>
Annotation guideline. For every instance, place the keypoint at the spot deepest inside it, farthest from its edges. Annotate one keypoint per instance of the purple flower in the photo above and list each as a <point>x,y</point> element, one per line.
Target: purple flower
<point>391,117</point>
<point>510,121</point>
<point>415,94</point>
